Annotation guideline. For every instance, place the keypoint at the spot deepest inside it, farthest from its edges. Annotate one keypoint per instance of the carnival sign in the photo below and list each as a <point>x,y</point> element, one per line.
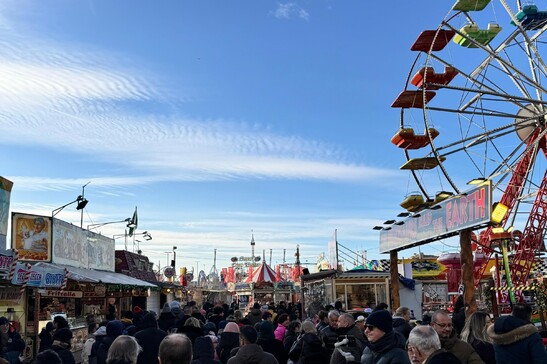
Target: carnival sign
<point>20,275</point>
<point>469,210</point>
<point>45,277</point>
<point>7,257</point>
<point>60,293</point>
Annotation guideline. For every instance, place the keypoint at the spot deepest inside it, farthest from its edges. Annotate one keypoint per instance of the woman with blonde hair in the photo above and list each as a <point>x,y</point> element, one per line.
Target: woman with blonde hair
<point>474,333</point>
<point>124,350</point>
<point>191,328</point>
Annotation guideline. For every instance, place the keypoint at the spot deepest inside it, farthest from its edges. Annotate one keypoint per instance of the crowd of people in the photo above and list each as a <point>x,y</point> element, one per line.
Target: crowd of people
<point>270,334</point>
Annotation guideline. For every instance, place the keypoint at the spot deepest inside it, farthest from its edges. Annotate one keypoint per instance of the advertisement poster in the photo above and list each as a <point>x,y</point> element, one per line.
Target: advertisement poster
<point>5,192</point>
<point>77,247</point>
<point>31,236</point>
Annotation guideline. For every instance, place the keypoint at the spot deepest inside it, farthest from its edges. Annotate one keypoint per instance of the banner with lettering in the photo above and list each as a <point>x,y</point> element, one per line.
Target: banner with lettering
<point>5,192</point>
<point>7,258</point>
<point>45,277</point>
<point>20,275</point>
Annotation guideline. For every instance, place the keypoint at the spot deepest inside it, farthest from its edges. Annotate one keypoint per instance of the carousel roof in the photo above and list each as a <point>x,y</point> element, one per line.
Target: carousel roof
<point>262,273</point>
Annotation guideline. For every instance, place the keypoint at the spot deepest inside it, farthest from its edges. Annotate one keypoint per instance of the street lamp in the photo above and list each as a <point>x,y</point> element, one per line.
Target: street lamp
<point>94,226</point>
<point>82,202</point>
<point>145,234</point>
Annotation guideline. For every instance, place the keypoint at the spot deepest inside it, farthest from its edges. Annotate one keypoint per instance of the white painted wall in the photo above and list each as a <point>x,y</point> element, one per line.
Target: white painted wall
<point>412,299</point>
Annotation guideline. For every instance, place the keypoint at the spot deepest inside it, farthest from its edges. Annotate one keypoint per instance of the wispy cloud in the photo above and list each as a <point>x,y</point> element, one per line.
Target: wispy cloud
<point>289,11</point>
<point>84,102</point>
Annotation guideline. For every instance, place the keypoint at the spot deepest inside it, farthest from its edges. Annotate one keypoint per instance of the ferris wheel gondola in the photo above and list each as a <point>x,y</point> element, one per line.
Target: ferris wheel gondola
<point>477,88</point>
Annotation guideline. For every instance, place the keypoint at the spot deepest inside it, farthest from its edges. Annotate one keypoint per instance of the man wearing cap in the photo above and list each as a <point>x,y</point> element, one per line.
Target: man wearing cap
<point>384,345</point>
<point>7,335</point>
<point>249,351</point>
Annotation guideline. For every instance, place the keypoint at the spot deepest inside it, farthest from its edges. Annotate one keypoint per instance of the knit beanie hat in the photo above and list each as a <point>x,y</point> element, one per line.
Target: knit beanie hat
<point>381,319</point>
<point>231,327</point>
<point>114,328</point>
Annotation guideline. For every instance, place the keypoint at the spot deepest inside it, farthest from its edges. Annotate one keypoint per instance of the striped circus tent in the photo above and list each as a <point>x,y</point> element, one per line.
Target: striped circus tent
<point>263,273</point>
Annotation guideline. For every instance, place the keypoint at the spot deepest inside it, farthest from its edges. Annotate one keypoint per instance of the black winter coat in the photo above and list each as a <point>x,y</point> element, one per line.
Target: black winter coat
<point>309,349</point>
<point>64,353</point>
<point>402,326</point>
<point>389,349</point>
<point>227,342</point>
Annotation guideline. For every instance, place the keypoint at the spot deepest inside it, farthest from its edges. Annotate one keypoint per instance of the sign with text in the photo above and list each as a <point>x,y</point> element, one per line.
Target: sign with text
<point>77,247</point>
<point>5,192</point>
<point>465,211</point>
<point>60,293</point>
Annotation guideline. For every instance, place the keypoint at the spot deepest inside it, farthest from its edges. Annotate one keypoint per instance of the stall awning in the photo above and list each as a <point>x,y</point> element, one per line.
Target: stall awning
<point>98,276</point>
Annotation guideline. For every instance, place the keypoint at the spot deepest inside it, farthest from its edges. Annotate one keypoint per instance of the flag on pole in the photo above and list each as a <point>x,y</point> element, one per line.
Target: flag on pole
<point>133,223</point>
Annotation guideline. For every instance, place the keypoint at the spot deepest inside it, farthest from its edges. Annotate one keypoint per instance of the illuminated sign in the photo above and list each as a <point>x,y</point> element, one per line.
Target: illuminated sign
<point>469,210</point>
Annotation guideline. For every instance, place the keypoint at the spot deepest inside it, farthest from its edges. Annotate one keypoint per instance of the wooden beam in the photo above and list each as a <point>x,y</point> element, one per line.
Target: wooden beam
<point>393,269</point>
<point>466,258</point>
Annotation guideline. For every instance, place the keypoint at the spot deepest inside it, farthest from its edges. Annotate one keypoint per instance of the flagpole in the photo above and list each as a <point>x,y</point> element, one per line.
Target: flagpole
<point>336,241</point>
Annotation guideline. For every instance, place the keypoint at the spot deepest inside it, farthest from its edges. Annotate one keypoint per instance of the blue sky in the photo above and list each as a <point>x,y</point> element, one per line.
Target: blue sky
<point>215,118</point>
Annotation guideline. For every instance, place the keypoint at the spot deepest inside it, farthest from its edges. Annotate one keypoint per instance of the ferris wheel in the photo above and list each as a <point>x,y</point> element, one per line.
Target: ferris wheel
<point>474,108</point>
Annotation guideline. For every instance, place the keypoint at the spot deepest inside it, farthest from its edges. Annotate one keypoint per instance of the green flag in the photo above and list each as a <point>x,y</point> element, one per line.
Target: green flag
<point>134,222</point>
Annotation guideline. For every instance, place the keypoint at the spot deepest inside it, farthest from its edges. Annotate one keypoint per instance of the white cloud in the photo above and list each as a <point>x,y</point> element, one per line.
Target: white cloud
<point>289,10</point>
<point>69,99</point>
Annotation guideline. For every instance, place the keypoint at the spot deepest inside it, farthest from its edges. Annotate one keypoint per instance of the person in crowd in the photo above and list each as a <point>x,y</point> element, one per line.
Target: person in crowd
<point>360,323</point>
<point>474,333</point>
<point>323,322</point>
<point>46,337</point>
<point>516,339</point>
<point>293,331</point>
<point>267,341</point>
<point>191,328</point>
<point>229,340</point>
<point>127,320</point>
<point>149,338</point>
<point>175,349</point>
<point>328,334</point>
<point>267,316</point>
<point>124,350</point>
<point>209,328</point>
<point>281,329</point>
<point>90,340</point>
<point>308,348</point>
<point>384,345</point>
<point>381,306</point>
<point>238,316</point>
<point>338,306</point>
<point>166,321</point>
<point>218,315</point>
<point>14,351</point>
<point>99,335</point>
<point>255,315</point>
<point>61,345</point>
<point>203,351</point>
<point>458,316</point>
<point>114,329</point>
<point>401,320</point>
<point>424,346</point>
<point>198,314</point>
<point>48,356</point>
<point>350,343</point>
<point>442,324</point>
<point>176,310</point>
<point>249,352</point>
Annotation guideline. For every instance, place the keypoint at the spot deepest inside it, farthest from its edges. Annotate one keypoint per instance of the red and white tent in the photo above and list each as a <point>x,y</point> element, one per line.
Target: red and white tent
<point>262,273</point>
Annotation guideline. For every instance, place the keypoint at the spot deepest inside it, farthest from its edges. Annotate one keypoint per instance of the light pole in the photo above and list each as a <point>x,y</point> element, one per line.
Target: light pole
<point>168,253</point>
<point>175,257</point>
<point>82,211</point>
